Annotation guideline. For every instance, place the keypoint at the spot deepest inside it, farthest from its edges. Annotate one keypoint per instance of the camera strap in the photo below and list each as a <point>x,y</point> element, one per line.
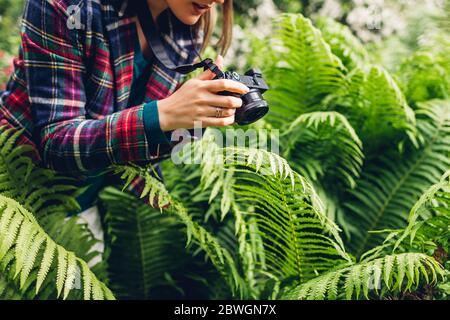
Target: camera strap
<point>151,33</point>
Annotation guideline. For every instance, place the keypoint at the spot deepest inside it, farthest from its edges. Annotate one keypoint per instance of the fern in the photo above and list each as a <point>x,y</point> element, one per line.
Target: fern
<point>324,144</point>
<point>306,70</point>
<point>433,208</point>
<point>377,108</point>
<point>219,214</point>
<point>270,197</point>
<point>50,197</point>
<point>392,184</point>
<point>288,213</point>
<point>24,245</point>
<point>219,256</point>
<point>41,191</point>
<point>274,202</point>
<point>393,273</point>
<point>344,44</point>
<point>424,78</point>
<point>147,260</point>
<point>428,231</point>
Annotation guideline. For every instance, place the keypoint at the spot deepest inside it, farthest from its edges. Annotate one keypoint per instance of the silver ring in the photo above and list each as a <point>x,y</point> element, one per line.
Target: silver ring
<point>219,112</point>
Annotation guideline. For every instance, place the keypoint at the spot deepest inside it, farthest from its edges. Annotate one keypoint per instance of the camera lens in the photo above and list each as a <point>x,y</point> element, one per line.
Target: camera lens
<point>254,107</point>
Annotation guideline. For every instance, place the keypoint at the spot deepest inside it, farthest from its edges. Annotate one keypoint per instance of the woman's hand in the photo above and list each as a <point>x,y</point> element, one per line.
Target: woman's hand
<point>197,101</point>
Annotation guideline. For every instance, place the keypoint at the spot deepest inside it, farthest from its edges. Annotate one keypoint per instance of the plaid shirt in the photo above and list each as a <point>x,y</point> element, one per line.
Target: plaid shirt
<point>71,84</point>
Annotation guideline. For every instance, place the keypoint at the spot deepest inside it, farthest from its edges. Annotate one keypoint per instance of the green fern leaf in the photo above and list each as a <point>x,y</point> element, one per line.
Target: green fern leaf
<point>30,257</point>
<point>304,70</point>
<point>87,285</point>
<point>393,182</point>
<point>377,108</point>
<point>344,44</point>
<point>26,246</point>
<point>324,144</point>
<point>349,281</point>
<point>62,269</point>
<point>47,260</point>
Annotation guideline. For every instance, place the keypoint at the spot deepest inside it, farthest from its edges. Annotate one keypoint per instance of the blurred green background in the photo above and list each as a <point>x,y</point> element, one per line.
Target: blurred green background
<point>10,12</point>
<point>394,25</point>
<point>389,28</point>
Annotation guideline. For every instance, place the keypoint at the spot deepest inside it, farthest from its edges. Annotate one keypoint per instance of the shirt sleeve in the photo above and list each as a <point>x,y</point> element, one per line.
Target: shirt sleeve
<point>68,142</point>
<point>152,127</point>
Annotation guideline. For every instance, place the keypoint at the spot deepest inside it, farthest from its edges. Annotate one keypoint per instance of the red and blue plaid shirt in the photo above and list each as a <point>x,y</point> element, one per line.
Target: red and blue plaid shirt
<point>71,86</point>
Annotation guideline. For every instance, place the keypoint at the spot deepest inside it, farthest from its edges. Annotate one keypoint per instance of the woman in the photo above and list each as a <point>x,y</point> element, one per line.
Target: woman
<point>89,93</point>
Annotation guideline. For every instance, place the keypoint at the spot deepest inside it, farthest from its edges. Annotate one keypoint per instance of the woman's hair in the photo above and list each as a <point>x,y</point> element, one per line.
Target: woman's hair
<point>208,22</point>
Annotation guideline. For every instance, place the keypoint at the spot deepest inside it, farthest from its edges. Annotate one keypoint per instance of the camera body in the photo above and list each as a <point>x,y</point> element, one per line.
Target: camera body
<point>254,107</point>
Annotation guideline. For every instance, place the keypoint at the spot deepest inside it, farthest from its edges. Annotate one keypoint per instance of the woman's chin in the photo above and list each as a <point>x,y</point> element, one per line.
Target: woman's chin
<point>189,19</point>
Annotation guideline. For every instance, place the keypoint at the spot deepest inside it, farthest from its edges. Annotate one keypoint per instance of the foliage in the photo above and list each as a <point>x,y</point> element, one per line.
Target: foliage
<point>34,233</point>
<point>396,273</point>
<point>404,151</point>
<point>10,11</point>
<point>292,228</point>
<point>142,262</point>
<point>343,43</point>
<point>25,246</point>
<point>330,147</point>
<point>425,77</point>
<point>304,70</point>
<point>392,182</point>
<point>377,107</point>
<point>364,147</point>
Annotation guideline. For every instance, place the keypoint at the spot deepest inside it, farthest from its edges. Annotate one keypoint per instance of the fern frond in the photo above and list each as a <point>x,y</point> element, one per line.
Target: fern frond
<point>146,250</point>
<point>377,108</point>
<point>24,245</point>
<point>370,279</point>
<point>305,72</point>
<point>282,205</point>
<point>154,190</point>
<point>420,210</point>
<point>428,222</point>
<point>293,228</point>
<point>344,44</point>
<point>424,78</point>
<point>324,144</point>
<point>195,233</point>
<point>41,191</point>
<point>392,183</point>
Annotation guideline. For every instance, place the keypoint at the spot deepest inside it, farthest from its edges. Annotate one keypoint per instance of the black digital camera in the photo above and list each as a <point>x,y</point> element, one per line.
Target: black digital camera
<point>254,107</point>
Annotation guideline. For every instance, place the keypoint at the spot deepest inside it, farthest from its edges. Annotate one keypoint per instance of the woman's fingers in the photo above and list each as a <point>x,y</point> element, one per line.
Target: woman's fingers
<point>219,62</point>
<point>217,112</point>
<point>226,85</point>
<point>223,101</point>
<point>218,122</point>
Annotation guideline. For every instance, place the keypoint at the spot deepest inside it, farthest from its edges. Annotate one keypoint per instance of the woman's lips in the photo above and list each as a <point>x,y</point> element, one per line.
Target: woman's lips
<point>200,8</point>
